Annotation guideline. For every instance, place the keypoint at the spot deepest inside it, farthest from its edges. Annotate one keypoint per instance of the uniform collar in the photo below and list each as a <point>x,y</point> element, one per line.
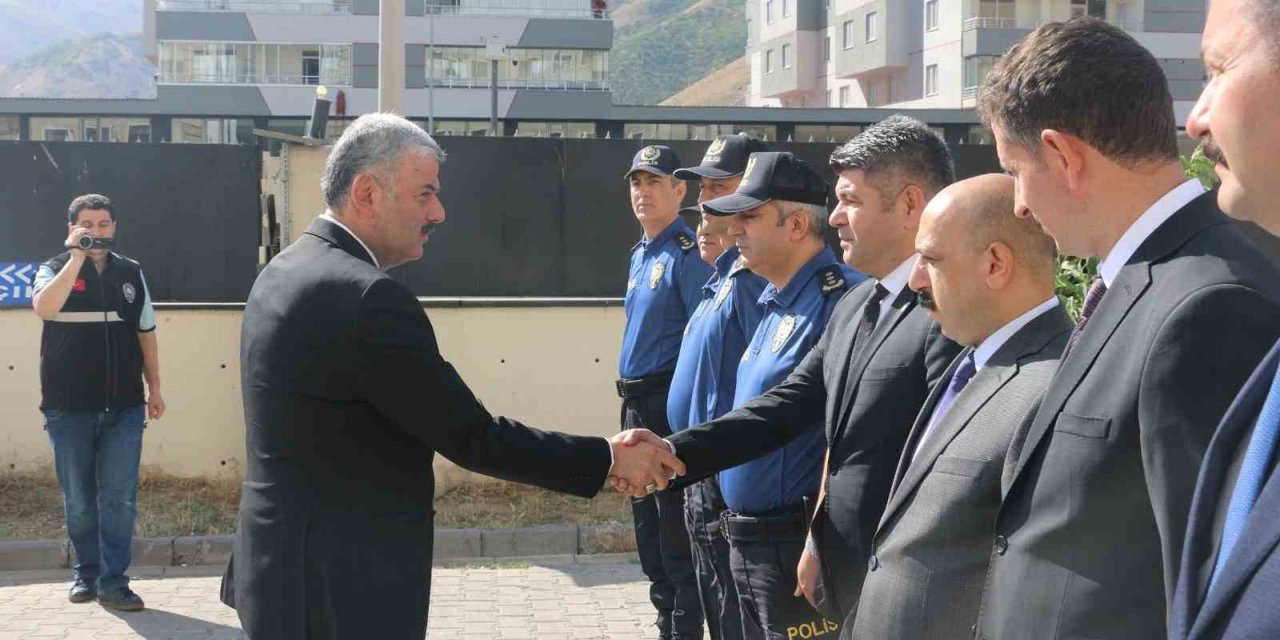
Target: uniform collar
<point>1146,224</point>
<point>727,261</point>
<point>992,344</point>
<point>896,281</point>
<point>787,296</point>
<point>327,216</point>
<point>653,243</point>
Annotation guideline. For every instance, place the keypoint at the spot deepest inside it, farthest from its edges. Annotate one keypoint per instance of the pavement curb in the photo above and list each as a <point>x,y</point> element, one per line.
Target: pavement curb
<point>451,545</point>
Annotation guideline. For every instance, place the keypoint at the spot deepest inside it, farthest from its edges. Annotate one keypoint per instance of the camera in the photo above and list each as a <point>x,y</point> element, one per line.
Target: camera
<point>89,242</point>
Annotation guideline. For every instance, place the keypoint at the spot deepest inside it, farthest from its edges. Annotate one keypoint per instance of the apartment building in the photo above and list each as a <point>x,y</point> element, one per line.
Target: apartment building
<point>268,56</point>
<point>935,53</point>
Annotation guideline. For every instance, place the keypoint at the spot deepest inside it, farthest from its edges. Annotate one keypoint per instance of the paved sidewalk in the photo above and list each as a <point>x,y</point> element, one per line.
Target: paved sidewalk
<point>596,597</point>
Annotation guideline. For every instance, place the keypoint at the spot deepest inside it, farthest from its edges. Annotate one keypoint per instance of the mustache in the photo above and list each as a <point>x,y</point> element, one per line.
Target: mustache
<point>1213,152</point>
<point>925,298</point>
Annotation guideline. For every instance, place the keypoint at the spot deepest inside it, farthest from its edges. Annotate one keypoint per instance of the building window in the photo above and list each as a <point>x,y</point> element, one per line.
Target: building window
<point>829,103</point>
<point>931,15</point>
<point>10,128</point>
<point>768,61</point>
<point>786,8</point>
<point>91,129</point>
<point>931,80</point>
<point>786,56</point>
<point>979,134</point>
<point>826,48</point>
<point>1003,13</point>
<point>824,133</point>
<point>871,26</point>
<point>254,63</point>
<point>555,129</point>
<point>768,11</point>
<point>1079,9</point>
<point>976,69</point>
<point>575,69</point>
<point>847,43</point>
<point>844,96</point>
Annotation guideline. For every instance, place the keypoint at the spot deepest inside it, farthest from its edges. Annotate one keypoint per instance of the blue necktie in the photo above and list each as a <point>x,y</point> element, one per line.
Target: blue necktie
<point>960,380</point>
<point>1253,472</point>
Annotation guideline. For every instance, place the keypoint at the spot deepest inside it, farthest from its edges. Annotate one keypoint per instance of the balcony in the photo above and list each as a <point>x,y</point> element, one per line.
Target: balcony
<point>483,83</point>
<point>518,9</point>
<point>311,7</point>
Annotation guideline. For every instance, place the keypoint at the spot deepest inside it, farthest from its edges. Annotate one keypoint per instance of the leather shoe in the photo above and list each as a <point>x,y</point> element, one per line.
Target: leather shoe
<point>121,599</point>
<point>82,591</point>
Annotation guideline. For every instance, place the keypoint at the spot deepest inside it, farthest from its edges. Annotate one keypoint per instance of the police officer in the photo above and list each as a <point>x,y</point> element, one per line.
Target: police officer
<point>779,217</point>
<point>98,343</point>
<point>663,288</point>
<point>702,388</point>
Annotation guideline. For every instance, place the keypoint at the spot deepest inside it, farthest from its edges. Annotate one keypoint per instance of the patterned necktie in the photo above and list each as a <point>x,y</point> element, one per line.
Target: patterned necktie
<point>870,315</point>
<point>959,381</point>
<point>1091,300</point>
<point>1253,473</point>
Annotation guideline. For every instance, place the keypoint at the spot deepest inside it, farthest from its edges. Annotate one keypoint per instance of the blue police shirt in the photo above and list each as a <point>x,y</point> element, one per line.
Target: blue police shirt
<point>663,289</point>
<point>794,319</point>
<point>714,340</point>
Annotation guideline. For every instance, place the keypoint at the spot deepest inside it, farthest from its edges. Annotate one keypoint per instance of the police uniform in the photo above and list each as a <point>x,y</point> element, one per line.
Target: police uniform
<point>663,288</point>
<point>769,499</point>
<point>701,390</point>
<point>93,401</point>
<point>703,387</point>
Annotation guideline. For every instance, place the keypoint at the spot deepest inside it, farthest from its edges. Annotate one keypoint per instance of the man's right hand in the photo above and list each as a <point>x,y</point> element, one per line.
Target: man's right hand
<point>807,577</point>
<point>641,466</point>
<point>73,241</point>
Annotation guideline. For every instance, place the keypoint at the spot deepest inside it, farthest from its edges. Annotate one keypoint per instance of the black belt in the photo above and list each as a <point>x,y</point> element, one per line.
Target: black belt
<point>653,385</point>
<point>786,524</point>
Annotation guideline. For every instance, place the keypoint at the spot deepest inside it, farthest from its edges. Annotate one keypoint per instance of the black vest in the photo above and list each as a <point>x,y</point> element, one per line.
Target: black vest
<point>90,358</point>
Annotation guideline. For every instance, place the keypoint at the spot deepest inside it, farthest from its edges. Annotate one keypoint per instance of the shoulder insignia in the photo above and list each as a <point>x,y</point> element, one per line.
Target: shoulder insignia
<point>686,241</point>
<point>831,279</point>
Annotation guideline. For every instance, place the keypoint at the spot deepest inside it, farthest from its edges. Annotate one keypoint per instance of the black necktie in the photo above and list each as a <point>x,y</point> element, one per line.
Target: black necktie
<point>870,315</point>
<point>1091,300</point>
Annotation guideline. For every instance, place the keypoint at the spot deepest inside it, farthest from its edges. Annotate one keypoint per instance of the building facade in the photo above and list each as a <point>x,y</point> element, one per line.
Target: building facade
<point>905,54</point>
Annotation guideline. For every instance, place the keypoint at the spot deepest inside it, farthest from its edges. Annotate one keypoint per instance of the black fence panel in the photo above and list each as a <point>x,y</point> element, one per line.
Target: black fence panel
<point>188,213</point>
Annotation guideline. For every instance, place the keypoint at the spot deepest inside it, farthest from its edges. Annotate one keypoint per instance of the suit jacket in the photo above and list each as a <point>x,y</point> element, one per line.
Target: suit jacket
<point>869,395</point>
<point>347,399</point>
<point>1089,537</point>
<point>933,544</point>
<point>1243,603</point>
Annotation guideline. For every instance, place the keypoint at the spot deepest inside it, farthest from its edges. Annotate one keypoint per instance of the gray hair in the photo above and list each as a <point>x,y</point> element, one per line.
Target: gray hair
<point>1267,14</point>
<point>816,213</point>
<point>373,144</point>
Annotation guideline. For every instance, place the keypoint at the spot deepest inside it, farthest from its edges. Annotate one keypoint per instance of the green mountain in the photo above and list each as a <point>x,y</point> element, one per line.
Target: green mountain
<point>27,26</point>
<point>663,46</point>
<point>104,65</point>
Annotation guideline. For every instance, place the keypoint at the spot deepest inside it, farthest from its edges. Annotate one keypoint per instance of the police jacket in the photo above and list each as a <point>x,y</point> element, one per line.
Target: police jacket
<point>90,357</point>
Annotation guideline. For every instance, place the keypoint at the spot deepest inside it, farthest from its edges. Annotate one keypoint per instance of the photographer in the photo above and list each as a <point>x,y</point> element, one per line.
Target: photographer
<point>98,343</point>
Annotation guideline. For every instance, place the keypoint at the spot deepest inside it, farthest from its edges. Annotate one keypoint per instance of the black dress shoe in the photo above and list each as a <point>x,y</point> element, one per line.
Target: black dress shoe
<point>82,591</point>
<point>121,599</point>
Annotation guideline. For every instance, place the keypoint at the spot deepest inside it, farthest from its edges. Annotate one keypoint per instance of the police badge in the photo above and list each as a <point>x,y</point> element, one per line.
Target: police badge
<point>129,293</point>
<point>713,151</point>
<point>785,327</point>
<point>655,276</point>
<point>649,154</point>
<point>723,293</point>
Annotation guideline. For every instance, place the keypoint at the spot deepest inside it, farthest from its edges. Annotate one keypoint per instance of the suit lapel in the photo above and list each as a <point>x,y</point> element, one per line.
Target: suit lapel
<point>862,354</point>
<point>1133,280</point>
<point>921,423</point>
<point>864,292</point>
<point>1260,535</point>
<point>326,230</point>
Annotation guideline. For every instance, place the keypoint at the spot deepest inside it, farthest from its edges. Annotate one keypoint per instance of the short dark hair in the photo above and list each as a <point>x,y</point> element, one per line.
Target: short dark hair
<point>900,149</point>
<point>91,201</point>
<point>1087,78</point>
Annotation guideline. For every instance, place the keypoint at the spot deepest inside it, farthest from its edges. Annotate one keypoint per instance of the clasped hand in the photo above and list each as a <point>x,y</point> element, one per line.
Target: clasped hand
<point>642,463</point>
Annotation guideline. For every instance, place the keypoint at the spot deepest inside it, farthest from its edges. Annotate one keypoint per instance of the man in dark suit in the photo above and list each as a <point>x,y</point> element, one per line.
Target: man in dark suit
<point>1230,566</point>
<point>867,376</point>
<point>987,278</point>
<point>1089,537</point>
<point>347,399</point>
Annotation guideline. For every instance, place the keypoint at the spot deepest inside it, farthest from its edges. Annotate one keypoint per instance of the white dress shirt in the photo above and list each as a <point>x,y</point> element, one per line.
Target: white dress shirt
<point>328,216</point>
<point>894,283</point>
<point>1144,226</point>
<point>981,356</point>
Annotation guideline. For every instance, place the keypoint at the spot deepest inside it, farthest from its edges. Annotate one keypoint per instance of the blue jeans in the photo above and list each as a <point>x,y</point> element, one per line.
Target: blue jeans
<point>96,455</point>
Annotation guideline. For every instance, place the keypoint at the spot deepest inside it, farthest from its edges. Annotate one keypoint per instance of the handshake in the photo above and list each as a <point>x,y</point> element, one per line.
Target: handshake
<point>642,463</point>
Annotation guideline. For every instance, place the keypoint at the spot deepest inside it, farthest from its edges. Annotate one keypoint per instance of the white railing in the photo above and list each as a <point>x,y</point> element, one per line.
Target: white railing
<point>223,78</point>
<point>517,10</point>
<point>340,7</point>
<point>971,24</point>
<point>478,83</point>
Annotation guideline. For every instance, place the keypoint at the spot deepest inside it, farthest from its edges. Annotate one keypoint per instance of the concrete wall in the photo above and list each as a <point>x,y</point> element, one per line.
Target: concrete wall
<point>552,367</point>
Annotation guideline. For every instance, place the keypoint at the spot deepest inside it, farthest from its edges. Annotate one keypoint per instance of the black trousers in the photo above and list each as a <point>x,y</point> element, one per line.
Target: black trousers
<point>662,539</point>
<point>764,569</point>
<point>703,505</point>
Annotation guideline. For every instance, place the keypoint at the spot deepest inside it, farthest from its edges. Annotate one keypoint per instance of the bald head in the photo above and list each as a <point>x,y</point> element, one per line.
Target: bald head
<point>980,266</point>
